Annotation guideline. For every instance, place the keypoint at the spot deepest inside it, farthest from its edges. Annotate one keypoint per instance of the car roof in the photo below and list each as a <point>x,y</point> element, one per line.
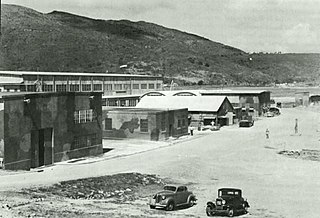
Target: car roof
<point>229,189</point>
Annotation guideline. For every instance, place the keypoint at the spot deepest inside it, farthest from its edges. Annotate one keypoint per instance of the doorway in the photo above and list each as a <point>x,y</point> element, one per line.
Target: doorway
<point>41,147</point>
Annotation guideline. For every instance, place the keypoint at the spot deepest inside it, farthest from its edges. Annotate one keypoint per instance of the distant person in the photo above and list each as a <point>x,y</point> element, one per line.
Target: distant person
<point>267,133</point>
<point>191,130</point>
<point>296,127</point>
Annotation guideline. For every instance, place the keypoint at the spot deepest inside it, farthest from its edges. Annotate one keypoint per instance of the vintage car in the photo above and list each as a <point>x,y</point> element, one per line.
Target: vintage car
<point>172,197</point>
<point>246,123</point>
<point>229,202</point>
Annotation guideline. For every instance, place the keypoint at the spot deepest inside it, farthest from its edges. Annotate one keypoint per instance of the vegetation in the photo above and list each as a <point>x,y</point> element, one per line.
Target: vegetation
<point>60,41</point>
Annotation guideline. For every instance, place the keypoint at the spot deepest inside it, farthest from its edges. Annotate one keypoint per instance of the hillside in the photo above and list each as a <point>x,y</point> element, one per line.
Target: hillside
<point>60,41</point>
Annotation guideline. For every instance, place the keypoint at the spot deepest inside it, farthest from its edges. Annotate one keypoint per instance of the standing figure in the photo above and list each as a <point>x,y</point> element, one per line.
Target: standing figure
<point>296,127</point>
<point>267,133</point>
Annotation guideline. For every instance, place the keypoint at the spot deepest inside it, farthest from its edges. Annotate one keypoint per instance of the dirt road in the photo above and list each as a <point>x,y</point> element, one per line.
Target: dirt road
<point>275,185</point>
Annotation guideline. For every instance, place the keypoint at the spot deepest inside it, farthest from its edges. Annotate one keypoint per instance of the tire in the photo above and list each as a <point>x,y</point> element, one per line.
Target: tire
<point>191,202</point>
<point>209,211</point>
<point>152,207</point>
<point>170,206</point>
<point>230,212</point>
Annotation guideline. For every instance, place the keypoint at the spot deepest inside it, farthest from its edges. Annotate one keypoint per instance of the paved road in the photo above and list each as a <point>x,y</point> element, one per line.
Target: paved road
<point>275,186</point>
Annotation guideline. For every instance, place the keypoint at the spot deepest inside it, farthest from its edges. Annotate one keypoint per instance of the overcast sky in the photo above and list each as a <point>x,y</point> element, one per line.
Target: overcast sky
<point>251,25</point>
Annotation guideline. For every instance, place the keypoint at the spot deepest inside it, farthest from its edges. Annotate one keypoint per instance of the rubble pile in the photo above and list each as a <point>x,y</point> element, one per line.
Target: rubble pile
<point>115,186</point>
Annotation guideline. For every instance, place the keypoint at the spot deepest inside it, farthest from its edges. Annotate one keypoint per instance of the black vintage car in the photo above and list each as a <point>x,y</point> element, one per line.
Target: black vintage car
<point>229,202</point>
<point>246,123</point>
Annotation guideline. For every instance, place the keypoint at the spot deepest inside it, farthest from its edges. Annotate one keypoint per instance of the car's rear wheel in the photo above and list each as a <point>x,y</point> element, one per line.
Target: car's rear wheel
<point>170,206</point>
<point>209,211</point>
<point>230,212</point>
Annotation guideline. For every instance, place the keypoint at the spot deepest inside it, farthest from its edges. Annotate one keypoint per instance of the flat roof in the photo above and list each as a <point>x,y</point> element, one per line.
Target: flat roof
<point>229,91</point>
<point>21,73</point>
<point>138,109</point>
<point>121,96</point>
<point>39,94</point>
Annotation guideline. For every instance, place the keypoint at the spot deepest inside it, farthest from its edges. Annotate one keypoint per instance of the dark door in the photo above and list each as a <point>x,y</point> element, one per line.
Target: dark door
<point>170,130</point>
<point>41,147</point>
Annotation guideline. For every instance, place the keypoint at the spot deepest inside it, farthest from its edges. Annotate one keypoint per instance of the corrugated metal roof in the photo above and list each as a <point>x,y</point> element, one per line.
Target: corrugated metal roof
<point>193,103</point>
<point>21,73</point>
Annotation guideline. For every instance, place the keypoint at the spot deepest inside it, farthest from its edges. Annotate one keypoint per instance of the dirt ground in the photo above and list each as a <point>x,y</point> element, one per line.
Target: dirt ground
<point>275,185</point>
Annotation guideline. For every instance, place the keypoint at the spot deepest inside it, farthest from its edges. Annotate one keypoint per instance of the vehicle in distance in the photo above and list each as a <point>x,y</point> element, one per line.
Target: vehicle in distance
<point>172,197</point>
<point>246,123</point>
<point>229,202</point>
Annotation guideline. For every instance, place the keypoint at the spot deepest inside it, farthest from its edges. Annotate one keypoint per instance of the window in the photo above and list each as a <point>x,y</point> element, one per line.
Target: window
<point>89,117</point>
<point>108,87</point>
<point>61,87</point>
<point>108,124</point>
<point>47,88</point>
<point>31,88</point>
<point>97,87</point>
<point>179,123</point>
<point>151,86</point>
<point>132,102</point>
<point>74,88</point>
<point>118,86</point>
<point>143,86</point>
<point>126,86</point>
<point>135,86</point>
<point>123,103</point>
<point>144,125</point>
<point>158,85</point>
<point>112,102</point>
<point>86,87</point>
<point>183,122</point>
<point>83,116</point>
<point>181,189</point>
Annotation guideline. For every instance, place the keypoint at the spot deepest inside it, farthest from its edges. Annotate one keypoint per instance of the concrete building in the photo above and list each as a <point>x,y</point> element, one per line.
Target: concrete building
<point>144,123</point>
<point>120,85</point>
<point>40,129</point>
<point>203,110</point>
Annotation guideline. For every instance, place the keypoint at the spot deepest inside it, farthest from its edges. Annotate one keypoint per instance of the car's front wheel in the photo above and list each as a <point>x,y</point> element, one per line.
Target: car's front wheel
<point>170,206</point>
<point>209,211</point>
<point>152,207</point>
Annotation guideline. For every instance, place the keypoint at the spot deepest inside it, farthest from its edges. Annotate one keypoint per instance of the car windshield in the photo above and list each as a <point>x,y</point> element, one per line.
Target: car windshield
<point>229,193</point>
<point>170,188</point>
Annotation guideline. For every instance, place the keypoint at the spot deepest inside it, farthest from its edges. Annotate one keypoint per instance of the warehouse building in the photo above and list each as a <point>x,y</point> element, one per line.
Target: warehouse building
<point>39,129</point>
<point>144,123</point>
<point>120,85</point>
<point>203,110</point>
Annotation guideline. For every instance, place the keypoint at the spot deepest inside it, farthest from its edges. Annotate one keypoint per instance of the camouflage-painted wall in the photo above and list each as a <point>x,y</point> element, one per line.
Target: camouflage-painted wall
<point>47,119</point>
<point>1,134</point>
<point>126,123</point>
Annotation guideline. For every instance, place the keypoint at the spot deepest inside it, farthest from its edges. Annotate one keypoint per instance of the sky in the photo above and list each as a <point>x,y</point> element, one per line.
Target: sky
<point>288,26</point>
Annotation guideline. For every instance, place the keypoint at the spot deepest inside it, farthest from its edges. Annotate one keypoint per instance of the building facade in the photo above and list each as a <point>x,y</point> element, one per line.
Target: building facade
<point>146,124</point>
<point>107,83</point>
<point>202,110</point>
<point>40,129</point>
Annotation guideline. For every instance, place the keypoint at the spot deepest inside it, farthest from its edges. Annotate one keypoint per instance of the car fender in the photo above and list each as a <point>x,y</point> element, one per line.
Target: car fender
<point>170,199</point>
<point>211,204</point>
<point>191,196</point>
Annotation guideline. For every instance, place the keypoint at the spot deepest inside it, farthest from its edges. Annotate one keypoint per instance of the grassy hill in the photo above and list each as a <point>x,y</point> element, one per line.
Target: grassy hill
<point>61,41</point>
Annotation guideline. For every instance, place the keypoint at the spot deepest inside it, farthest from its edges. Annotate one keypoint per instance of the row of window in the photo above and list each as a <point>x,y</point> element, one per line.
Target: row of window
<point>144,124</point>
<point>88,87</point>
<point>83,116</point>
<point>121,103</point>
<point>85,141</point>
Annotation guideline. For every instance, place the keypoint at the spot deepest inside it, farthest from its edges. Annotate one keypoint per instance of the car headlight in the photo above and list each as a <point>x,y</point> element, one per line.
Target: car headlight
<point>163,197</point>
<point>223,202</point>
